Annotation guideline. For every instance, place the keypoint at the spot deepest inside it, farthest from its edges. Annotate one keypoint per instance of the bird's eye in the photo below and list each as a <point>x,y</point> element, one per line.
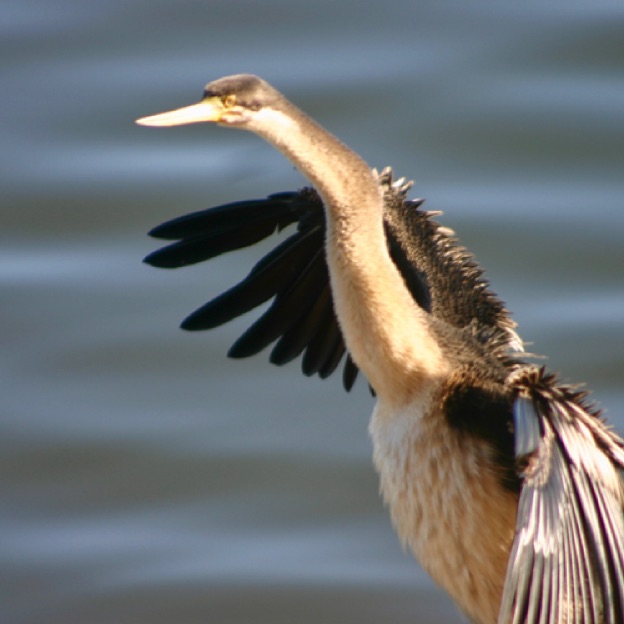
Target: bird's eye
<point>228,101</point>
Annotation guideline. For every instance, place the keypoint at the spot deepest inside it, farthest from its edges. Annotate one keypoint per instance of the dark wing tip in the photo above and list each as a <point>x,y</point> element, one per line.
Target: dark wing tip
<point>279,208</point>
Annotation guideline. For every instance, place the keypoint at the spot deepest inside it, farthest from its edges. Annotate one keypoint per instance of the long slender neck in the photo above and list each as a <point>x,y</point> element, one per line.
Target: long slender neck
<point>386,332</point>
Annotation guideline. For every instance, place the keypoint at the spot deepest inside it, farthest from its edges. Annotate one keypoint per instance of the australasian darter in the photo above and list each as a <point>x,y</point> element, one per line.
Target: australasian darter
<point>505,483</point>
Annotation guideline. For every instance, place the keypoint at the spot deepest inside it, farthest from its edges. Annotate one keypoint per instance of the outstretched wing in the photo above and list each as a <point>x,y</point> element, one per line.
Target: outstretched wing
<point>442,277</point>
<point>567,560</point>
<point>294,274</point>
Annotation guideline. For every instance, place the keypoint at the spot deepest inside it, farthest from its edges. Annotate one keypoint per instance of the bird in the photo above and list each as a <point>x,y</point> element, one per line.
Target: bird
<point>505,482</point>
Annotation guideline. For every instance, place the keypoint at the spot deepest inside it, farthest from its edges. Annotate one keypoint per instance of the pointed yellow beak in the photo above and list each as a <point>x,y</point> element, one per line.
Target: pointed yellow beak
<point>209,109</point>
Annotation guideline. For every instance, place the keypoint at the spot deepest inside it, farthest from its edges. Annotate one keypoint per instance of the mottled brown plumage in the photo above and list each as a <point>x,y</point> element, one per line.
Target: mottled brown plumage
<point>504,483</point>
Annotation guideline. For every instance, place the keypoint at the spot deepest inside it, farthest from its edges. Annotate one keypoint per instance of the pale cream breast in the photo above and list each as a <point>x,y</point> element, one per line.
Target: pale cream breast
<point>447,503</point>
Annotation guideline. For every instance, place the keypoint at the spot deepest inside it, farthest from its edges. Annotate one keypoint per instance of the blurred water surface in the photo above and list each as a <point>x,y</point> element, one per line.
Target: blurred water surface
<point>145,477</point>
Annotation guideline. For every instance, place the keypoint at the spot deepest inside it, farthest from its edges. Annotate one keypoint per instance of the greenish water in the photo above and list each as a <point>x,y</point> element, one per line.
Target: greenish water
<point>145,477</point>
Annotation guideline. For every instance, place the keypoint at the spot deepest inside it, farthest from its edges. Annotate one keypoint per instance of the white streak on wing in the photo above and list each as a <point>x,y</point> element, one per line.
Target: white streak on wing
<point>528,434</point>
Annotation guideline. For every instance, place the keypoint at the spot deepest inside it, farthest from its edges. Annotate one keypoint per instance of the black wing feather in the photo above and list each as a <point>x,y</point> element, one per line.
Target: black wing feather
<point>441,275</point>
<point>297,338</point>
<point>279,209</point>
<point>286,310</point>
<point>206,246</point>
<point>349,373</point>
<point>320,346</point>
<point>275,272</point>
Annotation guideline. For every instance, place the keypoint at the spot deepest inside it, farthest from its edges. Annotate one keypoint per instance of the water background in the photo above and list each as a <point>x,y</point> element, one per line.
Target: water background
<point>145,477</point>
